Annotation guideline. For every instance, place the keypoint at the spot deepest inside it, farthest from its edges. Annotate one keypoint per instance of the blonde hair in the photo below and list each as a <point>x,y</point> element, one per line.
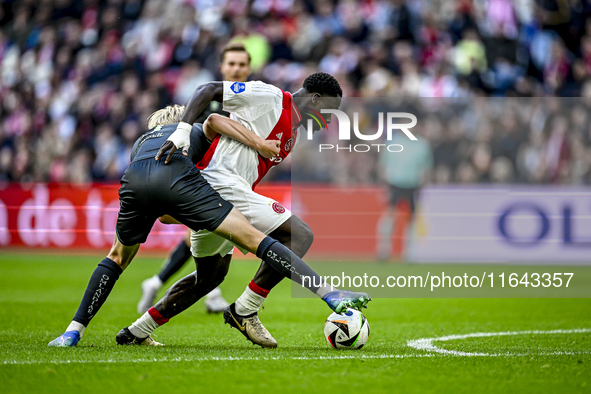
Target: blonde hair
<point>170,114</point>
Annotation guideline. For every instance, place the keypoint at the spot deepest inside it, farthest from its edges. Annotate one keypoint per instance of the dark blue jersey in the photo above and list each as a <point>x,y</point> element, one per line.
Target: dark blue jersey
<point>148,144</point>
<point>150,188</point>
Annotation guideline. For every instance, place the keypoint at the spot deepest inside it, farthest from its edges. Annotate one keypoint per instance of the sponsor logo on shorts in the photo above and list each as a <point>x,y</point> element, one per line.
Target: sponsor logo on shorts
<point>238,87</point>
<point>278,208</point>
<point>288,145</point>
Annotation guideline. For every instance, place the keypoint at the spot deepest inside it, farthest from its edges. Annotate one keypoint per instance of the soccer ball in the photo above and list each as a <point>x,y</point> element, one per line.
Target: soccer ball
<point>347,331</point>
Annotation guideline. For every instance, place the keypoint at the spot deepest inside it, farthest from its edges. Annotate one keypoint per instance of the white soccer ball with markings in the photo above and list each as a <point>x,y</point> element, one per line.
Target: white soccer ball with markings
<point>347,331</point>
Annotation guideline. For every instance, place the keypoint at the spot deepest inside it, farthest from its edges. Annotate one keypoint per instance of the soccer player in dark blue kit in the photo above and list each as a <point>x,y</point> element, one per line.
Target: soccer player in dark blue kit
<point>151,190</point>
<point>234,66</point>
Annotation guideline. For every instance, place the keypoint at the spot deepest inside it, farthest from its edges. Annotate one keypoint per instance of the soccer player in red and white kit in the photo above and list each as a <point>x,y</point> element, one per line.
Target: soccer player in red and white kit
<point>234,170</point>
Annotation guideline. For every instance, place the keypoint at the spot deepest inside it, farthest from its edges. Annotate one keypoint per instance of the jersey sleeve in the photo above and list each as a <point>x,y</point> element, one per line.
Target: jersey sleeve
<point>199,143</point>
<point>250,100</point>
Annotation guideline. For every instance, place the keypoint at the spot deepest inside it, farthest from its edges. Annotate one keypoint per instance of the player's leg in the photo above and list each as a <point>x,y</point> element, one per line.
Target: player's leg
<point>136,217</point>
<point>100,285</point>
<point>404,206</point>
<point>210,272</point>
<point>173,263</point>
<point>265,215</point>
<point>237,229</point>
<point>214,301</point>
<point>413,196</point>
<point>200,207</point>
<point>195,204</point>
<point>177,259</point>
<point>208,249</point>
<point>385,225</point>
<point>243,314</point>
<point>296,235</point>
<point>211,269</point>
<point>184,293</point>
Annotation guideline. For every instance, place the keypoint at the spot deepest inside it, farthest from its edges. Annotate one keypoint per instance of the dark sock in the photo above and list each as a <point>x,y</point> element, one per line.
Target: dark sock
<point>288,264</point>
<point>178,258</point>
<point>100,285</point>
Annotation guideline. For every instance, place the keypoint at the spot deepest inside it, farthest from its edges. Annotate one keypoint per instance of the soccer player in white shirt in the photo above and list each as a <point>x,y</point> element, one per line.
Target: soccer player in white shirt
<point>233,170</point>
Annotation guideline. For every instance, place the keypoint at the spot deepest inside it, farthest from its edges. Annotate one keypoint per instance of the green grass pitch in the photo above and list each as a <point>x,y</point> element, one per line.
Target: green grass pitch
<point>39,295</point>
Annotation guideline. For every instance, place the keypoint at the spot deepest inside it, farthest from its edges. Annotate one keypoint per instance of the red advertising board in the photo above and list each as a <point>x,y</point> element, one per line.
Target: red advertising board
<point>83,217</point>
<point>343,219</point>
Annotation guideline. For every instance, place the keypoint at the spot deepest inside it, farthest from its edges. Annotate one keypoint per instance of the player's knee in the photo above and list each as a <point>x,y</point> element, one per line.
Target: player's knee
<point>308,236</point>
<point>118,259</point>
<point>302,239</point>
<point>219,277</point>
<point>209,283</point>
<point>211,271</point>
<point>305,234</point>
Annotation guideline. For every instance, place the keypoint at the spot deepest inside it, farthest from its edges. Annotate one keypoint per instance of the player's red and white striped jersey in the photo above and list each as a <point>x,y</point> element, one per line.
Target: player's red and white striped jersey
<point>267,111</point>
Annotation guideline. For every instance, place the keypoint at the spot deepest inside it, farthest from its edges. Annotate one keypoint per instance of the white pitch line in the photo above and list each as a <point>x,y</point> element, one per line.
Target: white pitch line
<point>427,343</point>
<point>188,359</point>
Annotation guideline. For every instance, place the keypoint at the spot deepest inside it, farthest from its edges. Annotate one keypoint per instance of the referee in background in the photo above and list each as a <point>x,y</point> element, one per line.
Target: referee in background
<point>234,66</point>
<point>404,173</point>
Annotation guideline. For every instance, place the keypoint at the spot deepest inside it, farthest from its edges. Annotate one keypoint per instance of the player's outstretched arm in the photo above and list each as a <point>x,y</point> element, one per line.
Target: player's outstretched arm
<point>217,124</point>
<point>201,97</point>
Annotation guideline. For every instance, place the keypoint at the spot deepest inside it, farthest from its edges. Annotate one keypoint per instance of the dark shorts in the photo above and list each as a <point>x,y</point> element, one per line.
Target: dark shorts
<point>396,194</point>
<point>150,189</point>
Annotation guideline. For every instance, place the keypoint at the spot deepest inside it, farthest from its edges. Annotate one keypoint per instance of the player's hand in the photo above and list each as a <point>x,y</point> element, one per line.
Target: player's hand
<point>181,138</point>
<point>269,148</point>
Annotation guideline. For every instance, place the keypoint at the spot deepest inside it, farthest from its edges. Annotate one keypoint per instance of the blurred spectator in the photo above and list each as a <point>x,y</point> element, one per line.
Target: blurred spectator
<point>80,77</point>
<point>403,175</point>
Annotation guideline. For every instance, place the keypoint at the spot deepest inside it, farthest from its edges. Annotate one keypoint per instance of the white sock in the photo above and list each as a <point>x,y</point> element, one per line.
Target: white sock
<point>214,293</point>
<point>155,281</point>
<point>324,289</point>
<point>144,326</point>
<point>75,326</point>
<point>249,302</point>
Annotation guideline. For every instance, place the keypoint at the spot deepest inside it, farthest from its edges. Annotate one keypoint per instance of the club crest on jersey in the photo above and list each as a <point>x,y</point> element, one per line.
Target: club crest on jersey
<point>288,145</point>
<point>278,208</point>
<point>238,87</point>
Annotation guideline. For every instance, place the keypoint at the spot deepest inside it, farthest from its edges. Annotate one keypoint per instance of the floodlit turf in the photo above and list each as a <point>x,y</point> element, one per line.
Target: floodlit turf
<point>39,295</point>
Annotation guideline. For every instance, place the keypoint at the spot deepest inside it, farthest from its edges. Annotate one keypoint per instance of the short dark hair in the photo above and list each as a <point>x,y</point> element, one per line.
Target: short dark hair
<point>234,47</point>
<point>324,84</point>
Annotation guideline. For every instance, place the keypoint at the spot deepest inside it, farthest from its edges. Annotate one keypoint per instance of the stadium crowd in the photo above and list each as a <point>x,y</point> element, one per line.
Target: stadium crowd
<point>79,78</point>
<point>474,139</point>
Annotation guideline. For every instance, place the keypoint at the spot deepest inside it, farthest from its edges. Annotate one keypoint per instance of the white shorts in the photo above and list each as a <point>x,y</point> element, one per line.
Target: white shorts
<point>264,213</point>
